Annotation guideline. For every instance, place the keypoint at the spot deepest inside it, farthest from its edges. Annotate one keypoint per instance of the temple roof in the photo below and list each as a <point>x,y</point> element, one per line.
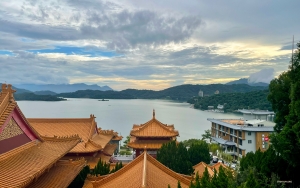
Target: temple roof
<point>61,175</point>
<point>153,128</point>
<point>144,171</point>
<point>24,164</point>
<point>200,168</point>
<point>217,166</point>
<point>149,144</point>
<point>92,139</point>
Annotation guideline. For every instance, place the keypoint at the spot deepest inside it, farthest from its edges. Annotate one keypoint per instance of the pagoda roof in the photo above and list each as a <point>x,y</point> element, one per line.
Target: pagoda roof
<point>93,139</point>
<point>154,128</point>
<point>61,175</point>
<point>200,168</point>
<point>144,171</point>
<point>26,163</point>
<point>149,144</point>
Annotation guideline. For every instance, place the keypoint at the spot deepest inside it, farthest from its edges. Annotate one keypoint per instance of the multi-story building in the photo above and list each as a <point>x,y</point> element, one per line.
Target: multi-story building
<point>240,136</point>
<point>200,94</point>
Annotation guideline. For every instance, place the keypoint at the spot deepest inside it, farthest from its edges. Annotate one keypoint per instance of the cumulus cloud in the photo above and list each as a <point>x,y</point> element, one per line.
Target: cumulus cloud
<point>264,75</point>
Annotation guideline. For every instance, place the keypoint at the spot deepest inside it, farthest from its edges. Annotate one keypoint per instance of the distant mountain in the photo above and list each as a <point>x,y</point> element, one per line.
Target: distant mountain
<point>47,92</point>
<point>62,88</point>
<point>96,94</point>
<point>18,90</point>
<point>245,81</point>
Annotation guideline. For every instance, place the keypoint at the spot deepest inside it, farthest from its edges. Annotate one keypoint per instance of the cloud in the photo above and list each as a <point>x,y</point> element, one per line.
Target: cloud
<point>264,75</point>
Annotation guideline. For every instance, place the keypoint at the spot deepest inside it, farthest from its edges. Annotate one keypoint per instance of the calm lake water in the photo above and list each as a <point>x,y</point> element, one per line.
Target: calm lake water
<point>120,115</point>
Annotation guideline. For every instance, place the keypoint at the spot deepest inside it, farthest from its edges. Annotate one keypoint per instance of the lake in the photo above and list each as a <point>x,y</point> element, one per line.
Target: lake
<point>120,115</point>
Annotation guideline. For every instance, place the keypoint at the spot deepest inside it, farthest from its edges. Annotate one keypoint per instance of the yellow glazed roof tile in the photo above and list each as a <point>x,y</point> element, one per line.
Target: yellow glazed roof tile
<point>144,171</point>
<point>19,167</point>
<point>200,168</point>
<point>61,175</point>
<point>153,128</point>
<point>149,144</point>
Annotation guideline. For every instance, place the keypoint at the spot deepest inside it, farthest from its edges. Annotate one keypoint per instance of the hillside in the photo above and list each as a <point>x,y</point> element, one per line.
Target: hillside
<point>234,101</point>
<point>185,92</point>
<point>95,94</point>
<point>181,93</point>
<point>34,97</point>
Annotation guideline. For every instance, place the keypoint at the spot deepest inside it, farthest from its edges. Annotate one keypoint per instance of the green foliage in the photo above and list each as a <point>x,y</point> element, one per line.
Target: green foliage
<point>198,152</point>
<point>181,93</point>
<point>126,141</point>
<point>125,152</point>
<point>214,147</point>
<point>34,97</point>
<point>117,167</point>
<point>178,184</point>
<point>102,168</point>
<point>79,180</point>
<point>251,181</point>
<point>175,156</point>
<point>234,101</point>
<point>189,142</point>
<point>286,140</point>
<point>206,135</point>
<point>205,180</point>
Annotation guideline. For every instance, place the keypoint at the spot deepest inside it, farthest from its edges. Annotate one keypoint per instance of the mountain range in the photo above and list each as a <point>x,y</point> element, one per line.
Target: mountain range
<point>59,88</point>
<point>246,81</point>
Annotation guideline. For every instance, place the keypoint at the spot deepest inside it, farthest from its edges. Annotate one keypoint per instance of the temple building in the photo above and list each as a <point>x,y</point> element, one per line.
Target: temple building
<point>143,171</point>
<point>95,143</point>
<point>151,135</point>
<point>28,159</point>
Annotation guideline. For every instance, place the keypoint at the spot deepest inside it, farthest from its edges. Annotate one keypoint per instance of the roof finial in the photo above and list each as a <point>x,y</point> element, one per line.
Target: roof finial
<point>153,114</point>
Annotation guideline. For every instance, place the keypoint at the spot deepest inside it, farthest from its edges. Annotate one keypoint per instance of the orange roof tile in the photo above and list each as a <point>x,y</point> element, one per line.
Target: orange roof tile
<point>200,168</point>
<point>109,149</point>
<point>92,139</point>
<point>153,128</point>
<point>91,160</point>
<point>144,171</point>
<point>217,166</point>
<point>149,144</point>
<point>61,175</point>
<point>20,166</point>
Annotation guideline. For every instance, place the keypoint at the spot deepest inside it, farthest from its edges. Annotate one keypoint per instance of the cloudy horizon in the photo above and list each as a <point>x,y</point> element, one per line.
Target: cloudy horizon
<point>145,44</point>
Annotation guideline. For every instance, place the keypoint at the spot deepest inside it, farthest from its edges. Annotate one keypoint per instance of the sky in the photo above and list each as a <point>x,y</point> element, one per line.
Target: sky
<point>143,44</point>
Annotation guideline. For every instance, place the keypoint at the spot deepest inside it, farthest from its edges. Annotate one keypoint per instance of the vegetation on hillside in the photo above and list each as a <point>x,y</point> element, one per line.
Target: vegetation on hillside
<point>34,97</point>
<point>181,93</point>
<point>234,101</point>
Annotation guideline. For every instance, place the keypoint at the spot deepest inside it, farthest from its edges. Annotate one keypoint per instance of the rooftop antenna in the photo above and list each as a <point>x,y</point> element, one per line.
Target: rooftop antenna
<point>293,54</point>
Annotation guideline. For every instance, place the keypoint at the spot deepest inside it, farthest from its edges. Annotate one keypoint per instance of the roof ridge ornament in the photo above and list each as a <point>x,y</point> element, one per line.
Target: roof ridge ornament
<point>153,114</point>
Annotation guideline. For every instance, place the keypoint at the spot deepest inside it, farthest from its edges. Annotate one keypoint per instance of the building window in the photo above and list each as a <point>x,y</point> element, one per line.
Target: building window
<point>249,133</point>
<point>249,141</point>
<point>240,151</point>
<point>231,131</point>
<point>240,133</point>
<point>240,142</point>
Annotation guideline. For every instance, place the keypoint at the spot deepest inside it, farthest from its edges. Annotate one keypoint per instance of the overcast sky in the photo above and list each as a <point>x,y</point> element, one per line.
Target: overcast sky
<point>145,44</point>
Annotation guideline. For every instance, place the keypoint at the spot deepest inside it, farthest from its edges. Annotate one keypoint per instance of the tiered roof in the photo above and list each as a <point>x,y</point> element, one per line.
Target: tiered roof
<point>158,132</point>
<point>154,128</point>
<point>144,171</point>
<point>92,139</point>
<point>218,165</point>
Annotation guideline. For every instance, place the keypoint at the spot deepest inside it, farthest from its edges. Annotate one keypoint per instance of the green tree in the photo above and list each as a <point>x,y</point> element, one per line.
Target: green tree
<point>205,179</point>
<point>206,135</point>
<point>175,156</point>
<point>286,140</point>
<point>126,141</point>
<point>102,168</point>
<point>117,167</point>
<point>251,181</point>
<point>199,152</point>
<point>80,178</point>
<point>178,184</point>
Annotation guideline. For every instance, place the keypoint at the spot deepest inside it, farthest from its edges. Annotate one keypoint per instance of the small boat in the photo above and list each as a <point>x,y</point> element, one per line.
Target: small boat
<point>103,100</point>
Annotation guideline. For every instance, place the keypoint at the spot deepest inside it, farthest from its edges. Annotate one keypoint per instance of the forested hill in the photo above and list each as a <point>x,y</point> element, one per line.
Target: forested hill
<point>96,94</point>
<point>182,92</point>
<point>234,101</point>
<point>185,92</point>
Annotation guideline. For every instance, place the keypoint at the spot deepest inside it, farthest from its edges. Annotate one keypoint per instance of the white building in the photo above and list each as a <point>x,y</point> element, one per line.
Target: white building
<point>239,136</point>
<point>200,93</point>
